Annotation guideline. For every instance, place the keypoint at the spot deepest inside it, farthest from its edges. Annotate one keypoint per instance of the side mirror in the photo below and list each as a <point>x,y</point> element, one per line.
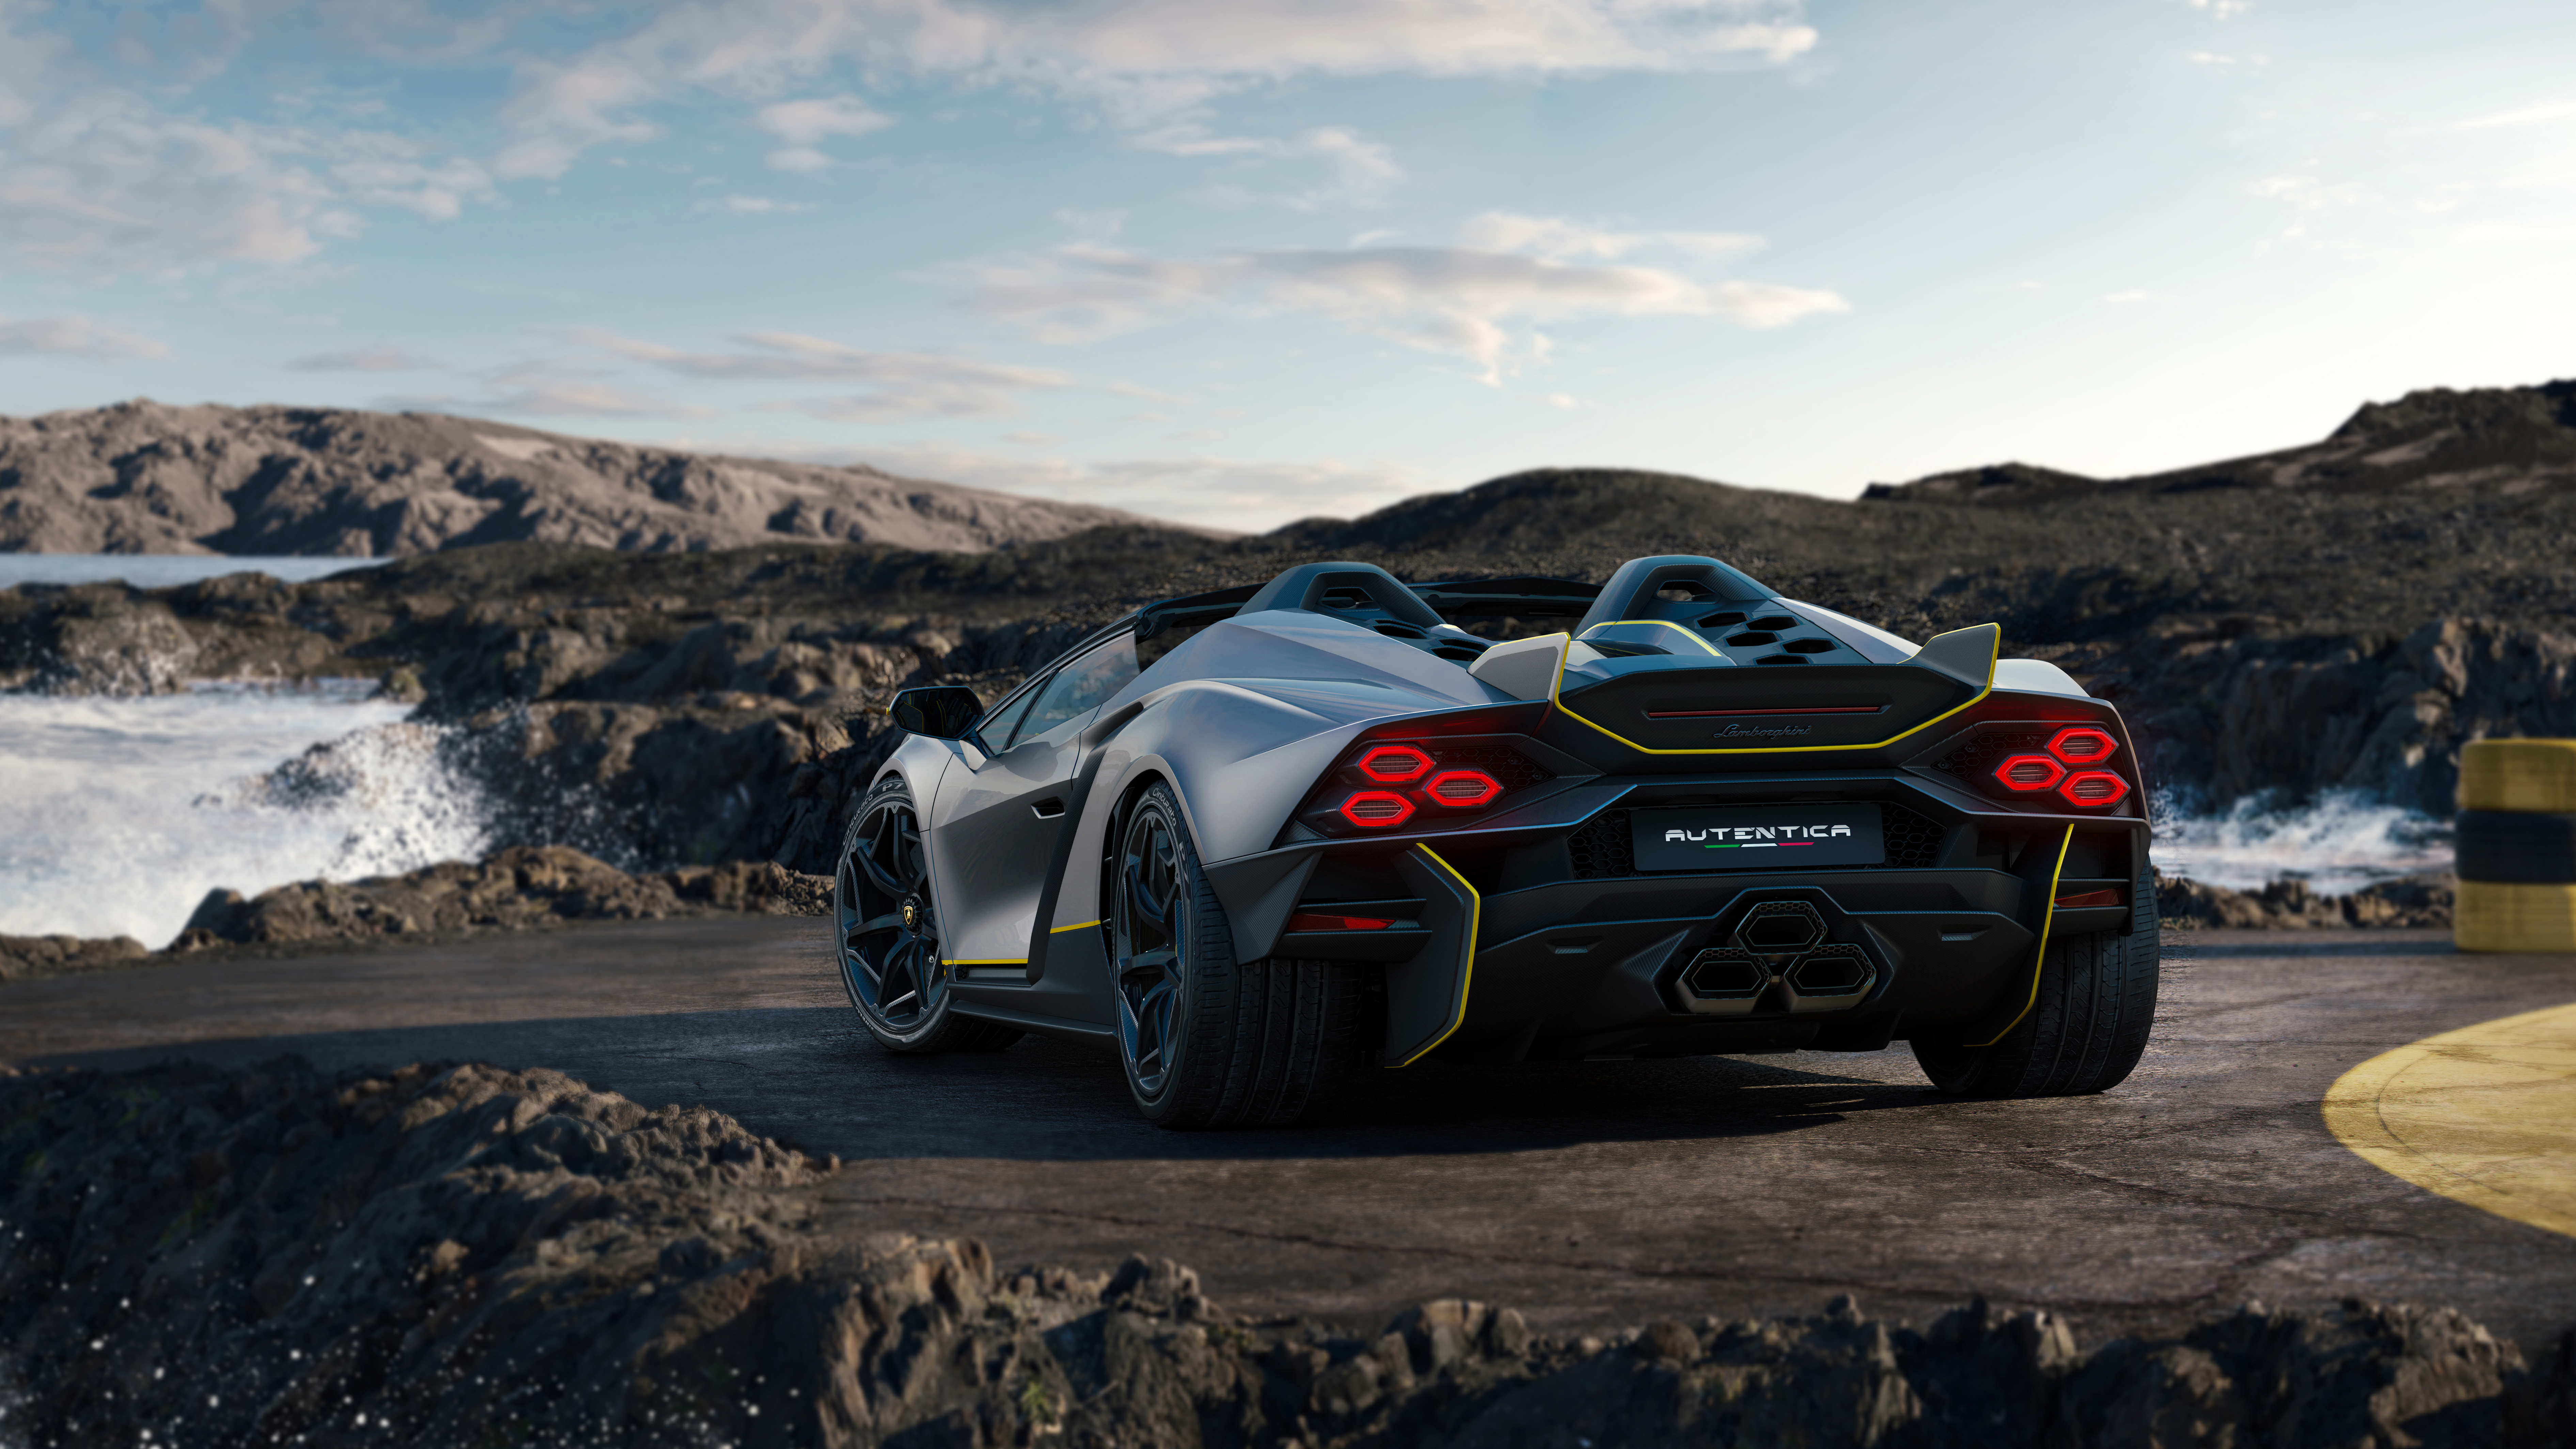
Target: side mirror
<point>940,712</point>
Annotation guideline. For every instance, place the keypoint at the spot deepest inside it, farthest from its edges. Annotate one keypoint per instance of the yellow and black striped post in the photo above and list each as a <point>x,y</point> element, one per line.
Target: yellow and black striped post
<point>2517,841</point>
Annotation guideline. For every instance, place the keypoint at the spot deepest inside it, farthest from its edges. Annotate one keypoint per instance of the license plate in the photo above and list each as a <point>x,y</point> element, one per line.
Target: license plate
<point>1756,837</point>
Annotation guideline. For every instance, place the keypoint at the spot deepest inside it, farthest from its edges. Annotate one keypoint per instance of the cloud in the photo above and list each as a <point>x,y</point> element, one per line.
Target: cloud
<point>2561,109</point>
<point>1480,302</point>
<point>435,191</point>
<point>2130,297</point>
<point>896,385</point>
<point>1364,171</point>
<point>108,186</point>
<point>70,334</point>
<point>754,205</point>
<point>1145,59</point>
<point>1559,238</point>
<point>2218,60</point>
<point>2218,9</point>
<point>2510,232</point>
<point>1230,494</point>
<point>799,158</point>
<point>102,174</point>
<point>802,123</point>
<point>380,358</point>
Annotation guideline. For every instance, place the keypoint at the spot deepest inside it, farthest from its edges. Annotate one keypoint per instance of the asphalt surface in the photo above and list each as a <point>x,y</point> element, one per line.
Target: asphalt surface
<point>1587,1194</point>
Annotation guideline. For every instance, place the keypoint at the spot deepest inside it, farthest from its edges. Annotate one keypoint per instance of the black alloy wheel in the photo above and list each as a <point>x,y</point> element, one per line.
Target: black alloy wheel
<point>1148,926</point>
<point>887,932</point>
<point>1208,1041</point>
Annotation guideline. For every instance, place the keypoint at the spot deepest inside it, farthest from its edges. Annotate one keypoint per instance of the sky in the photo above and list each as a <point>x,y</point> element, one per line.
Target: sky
<point>1237,263</point>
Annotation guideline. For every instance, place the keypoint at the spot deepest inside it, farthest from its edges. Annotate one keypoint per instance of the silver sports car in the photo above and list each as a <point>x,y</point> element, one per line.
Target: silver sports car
<point>1254,840</point>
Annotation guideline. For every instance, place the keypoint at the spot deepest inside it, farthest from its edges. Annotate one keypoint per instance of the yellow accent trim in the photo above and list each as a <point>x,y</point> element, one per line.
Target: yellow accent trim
<point>1467,979</point>
<point>993,961</point>
<point>1076,926</point>
<point>2039,958</point>
<point>1664,623</point>
<point>1555,699</point>
<point>2485,1115</point>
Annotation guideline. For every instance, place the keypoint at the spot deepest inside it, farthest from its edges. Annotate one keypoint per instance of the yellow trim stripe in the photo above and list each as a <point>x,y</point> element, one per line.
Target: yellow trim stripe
<point>1691,635</point>
<point>1076,926</point>
<point>2039,958</point>
<point>1467,978</point>
<point>1555,699</point>
<point>992,961</point>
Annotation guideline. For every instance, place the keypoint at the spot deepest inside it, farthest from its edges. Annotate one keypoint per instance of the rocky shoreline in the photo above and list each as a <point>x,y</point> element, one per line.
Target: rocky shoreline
<point>464,1255</point>
<point>522,888</point>
<point>2412,903</point>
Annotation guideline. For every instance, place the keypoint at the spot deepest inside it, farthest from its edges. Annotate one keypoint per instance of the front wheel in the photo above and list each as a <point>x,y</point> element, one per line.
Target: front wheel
<point>2084,1033</point>
<point>1209,1041</point>
<point>886,934</point>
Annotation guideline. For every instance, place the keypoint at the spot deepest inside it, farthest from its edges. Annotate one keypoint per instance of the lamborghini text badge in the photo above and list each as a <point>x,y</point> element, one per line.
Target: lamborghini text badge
<point>1757,837</point>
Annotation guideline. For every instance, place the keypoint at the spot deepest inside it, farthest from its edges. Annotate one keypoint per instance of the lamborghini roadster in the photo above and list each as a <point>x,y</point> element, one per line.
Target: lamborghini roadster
<point>1254,841</point>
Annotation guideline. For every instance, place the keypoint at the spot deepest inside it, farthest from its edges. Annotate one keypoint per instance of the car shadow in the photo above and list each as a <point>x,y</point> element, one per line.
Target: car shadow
<point>810,1077</point>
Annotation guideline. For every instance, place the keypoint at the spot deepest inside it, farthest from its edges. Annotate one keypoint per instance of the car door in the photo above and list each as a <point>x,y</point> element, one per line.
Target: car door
<point>997,823</point>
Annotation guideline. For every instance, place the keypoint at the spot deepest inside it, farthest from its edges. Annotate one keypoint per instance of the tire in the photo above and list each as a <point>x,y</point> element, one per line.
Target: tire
<point>2097,1000</point>
<point>2507,847</point>
<point>1208,1041</point>
<point>887,956</point>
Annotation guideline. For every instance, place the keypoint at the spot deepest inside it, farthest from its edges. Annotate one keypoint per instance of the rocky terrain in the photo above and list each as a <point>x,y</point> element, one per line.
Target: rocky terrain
<point>2487,440</point>
<point>2416,901</point>
<point>2273,634</point>
<point>464,1255</point>
<point>143,478</point>
<point>520,888</point>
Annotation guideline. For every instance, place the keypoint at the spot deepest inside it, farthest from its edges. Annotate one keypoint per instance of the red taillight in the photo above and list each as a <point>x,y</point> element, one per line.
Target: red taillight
<point>1463,789</point>
<point>2029,772</point>
<point>1394,764</point>
<point>1377,809</point>
<point>2090,898</point>
<point>2094,789</point>
<point>2082,746</point>
<point>1304,921</point>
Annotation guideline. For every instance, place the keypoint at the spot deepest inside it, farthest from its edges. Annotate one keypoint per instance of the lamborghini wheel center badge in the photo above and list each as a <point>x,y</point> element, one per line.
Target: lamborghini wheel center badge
<point>912,915</point>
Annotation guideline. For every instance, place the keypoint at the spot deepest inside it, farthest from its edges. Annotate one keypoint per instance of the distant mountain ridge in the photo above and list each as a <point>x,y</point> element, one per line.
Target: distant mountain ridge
<point>141,477</point>
<point>2506,440</point>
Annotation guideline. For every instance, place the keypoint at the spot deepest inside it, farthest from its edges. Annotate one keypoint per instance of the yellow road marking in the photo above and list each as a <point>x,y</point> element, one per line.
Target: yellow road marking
<point>2485,1115</point>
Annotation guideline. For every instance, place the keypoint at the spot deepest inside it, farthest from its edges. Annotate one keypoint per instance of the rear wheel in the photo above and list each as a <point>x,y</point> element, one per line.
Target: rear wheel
<point>2097,999</point>
<point>886,937</point>
<point>1209,1041</point>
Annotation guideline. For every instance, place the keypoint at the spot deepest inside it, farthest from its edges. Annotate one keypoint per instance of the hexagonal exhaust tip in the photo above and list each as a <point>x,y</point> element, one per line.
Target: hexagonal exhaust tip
<point>1727,971</point>
<point>1836,970</point>
<point>1780,926</point>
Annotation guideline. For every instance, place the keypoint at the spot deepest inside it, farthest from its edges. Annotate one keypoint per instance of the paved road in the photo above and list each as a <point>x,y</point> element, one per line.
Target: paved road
<point>1588,1194</point>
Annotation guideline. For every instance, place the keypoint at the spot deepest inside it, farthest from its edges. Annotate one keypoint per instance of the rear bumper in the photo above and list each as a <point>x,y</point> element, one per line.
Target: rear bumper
<point>1597,967</point>
<point>1576,952</point>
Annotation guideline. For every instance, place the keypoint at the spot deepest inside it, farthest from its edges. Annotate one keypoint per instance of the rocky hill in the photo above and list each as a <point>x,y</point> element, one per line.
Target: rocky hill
<point>2497,440</point>
<point>663,709</point>
<point>143,478</point>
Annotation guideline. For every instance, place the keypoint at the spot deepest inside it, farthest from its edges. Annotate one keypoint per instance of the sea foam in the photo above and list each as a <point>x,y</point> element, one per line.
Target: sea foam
<point>117,815</point>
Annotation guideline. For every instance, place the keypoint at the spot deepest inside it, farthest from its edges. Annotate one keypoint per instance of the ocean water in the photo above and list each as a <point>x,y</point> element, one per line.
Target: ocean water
<point>118,815</point>
<point>2337,843</point>
<point>165,570</point>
